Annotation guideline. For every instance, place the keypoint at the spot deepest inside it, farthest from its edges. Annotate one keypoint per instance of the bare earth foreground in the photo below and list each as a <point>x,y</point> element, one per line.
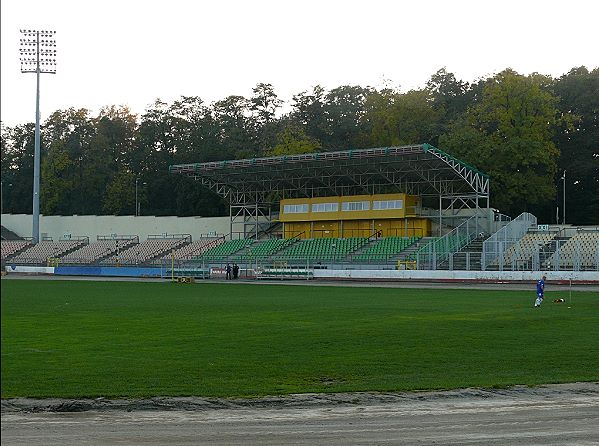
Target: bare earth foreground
<point>561,414</point>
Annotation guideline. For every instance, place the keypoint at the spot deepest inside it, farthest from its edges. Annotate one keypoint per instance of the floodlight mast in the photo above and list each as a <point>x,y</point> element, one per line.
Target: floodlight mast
<point>37,56</point>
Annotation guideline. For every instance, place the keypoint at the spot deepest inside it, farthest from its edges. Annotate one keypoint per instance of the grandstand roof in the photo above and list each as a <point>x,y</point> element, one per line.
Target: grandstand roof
<point>416,169</point>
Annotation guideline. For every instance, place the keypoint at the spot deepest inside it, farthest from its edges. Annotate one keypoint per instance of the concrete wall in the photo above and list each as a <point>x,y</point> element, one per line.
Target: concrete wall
<point>57,226</point>
<point>492,276</point>
<point>581,277</point>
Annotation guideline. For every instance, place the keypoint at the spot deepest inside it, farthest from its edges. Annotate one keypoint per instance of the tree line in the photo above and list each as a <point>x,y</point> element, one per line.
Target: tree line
<point>524,131</point>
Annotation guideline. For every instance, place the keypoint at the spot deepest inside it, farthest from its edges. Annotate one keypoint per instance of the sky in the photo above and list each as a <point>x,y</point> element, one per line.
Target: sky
<point>132,52</point>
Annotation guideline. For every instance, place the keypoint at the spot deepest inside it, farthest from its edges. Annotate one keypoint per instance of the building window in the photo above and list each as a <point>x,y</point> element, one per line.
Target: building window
<point>356,206</point>
<point>295,209</point>
<point>325,207</point>
<point>387,204</point>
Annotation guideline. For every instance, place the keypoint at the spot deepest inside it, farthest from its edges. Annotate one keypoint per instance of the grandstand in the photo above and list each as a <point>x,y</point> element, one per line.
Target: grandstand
<point>579,252</point>
<point>385,249</point>
<point>13,247</point>
<point>99,250</point>
<point>267,248</point>
<point>224,251</point>
<point>336,204</point>
<point>322,249</point>
<point>326,193</point>
<point>530,244</point>
<point>152,248</point>
<point>357,209</point>
<point>46,250</point>
<point>441,247</point>
<point>193,249</point>
<point>531,248</point>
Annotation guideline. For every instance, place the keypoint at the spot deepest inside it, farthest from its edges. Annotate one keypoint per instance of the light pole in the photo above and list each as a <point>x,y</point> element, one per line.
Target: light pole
<point>564,198</point>
<point>37,56</point>
<point>137,203</point>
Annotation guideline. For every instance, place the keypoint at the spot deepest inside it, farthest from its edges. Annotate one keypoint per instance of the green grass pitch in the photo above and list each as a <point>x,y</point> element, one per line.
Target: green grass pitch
<point>131,339</point>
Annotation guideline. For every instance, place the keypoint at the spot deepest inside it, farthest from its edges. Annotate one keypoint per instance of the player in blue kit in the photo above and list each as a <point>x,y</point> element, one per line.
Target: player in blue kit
<point>540,291</point>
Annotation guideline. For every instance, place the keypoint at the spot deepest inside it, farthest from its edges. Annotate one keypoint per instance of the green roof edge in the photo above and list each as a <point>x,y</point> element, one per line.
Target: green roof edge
<point>430,148</point>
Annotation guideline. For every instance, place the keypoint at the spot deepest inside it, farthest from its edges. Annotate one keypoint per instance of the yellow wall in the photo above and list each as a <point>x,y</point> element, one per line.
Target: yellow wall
<point>357,228</point>
<point>301,229</point>
<point>408,210</point>
<point>409,227</point>
<point>326,229</point>
<point>317,229</point>
<point>392,222</point>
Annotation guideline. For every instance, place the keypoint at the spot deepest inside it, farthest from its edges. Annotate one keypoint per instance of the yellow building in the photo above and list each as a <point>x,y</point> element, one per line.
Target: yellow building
<point>353,216</point>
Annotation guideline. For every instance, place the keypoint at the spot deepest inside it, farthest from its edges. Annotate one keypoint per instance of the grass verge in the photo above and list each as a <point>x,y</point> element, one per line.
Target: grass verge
<point>129,339</point>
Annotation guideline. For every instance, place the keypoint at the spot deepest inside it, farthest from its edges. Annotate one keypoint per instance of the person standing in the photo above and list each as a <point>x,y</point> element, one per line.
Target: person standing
<point>540,291</point>
<point>235,271</point>
<point>228,270</point>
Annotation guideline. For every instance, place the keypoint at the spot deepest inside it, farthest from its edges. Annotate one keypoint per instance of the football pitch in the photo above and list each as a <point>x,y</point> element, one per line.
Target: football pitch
<point>74,339</point>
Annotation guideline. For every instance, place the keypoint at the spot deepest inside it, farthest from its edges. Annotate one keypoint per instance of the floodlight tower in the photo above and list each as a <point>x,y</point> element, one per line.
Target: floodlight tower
<point>38,55</point>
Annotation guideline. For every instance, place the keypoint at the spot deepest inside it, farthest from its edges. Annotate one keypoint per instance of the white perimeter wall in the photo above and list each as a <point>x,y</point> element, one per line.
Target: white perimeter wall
<point>423,275</point>
<point>57,226</point>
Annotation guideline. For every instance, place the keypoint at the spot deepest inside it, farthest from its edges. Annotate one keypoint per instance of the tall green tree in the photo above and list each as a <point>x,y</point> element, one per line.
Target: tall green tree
<point>264,105</point>
<point>237,135</point>
<point>17,168</point>
<point>182,132</point>
<point>119,198</point>
<point>63,182</point>
<point>309,112</point>
<point>401,119</point>
<point>449,94</point>
<point>344,109</point>
<point>293,140</point>
<point>578,92</point>
<point>509,134</point>
<point>110,149</point>
<point>523,130</point>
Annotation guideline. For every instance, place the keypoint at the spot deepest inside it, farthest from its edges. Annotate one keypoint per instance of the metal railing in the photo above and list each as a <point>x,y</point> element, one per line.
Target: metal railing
<point>495,247</point>
<point>437,251</point>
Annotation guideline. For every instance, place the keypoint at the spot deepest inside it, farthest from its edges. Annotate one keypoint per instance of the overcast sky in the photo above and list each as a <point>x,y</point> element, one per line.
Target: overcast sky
<point>130,52</point>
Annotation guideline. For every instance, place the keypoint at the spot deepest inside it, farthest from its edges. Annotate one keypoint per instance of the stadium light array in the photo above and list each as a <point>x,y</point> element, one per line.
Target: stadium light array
<point>37,55</point>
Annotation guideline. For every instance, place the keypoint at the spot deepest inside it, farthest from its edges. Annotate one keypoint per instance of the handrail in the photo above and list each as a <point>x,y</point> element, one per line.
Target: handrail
<point>167,236</point>
<point>117,237</point>
<point>496,245</point>
<point>75,238</point>
<point>472,229</point>
<point>297,236</point>
<point>376,235</point>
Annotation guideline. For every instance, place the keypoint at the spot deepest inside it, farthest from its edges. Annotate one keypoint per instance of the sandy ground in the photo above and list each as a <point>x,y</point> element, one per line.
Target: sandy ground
<point>564,414</point>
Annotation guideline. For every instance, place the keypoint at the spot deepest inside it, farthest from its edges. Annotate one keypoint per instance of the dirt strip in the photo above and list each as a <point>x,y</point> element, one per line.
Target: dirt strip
<point>32,405</point>
<point>564,414</point>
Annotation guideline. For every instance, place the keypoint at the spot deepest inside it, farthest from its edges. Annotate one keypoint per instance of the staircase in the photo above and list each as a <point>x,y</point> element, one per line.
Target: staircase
<point>407,253</point>
<point>362,248</point>
<point>472,253</point>
<point>547,252</point>
<point>7,234</point>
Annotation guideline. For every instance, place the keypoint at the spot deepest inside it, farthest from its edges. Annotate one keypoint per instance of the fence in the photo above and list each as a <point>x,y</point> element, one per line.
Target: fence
<point>495,247</point>
<point>437,254</point>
